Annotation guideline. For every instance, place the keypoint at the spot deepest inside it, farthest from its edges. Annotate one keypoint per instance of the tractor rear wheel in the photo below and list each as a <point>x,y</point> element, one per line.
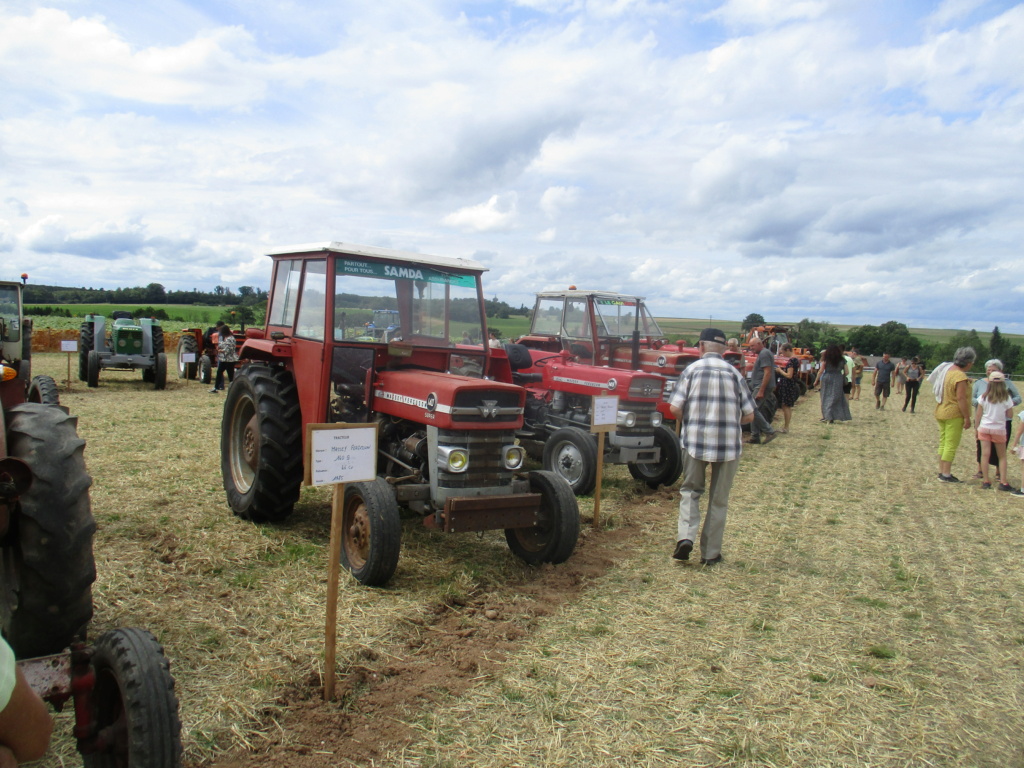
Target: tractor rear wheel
<point>93,378</point>
<point>572,453</point>
<point>43,389</point>
<point>136,709</point>
<point>261,444</point>
<point>668,468</point>
<point>371,532</point>
<point>554,537</point>
<point>187,346</point>
<point>205,369</point>
<point>160,371</point>
<point>158,339</point>
<point>86,342</point>
<point>47,565</point>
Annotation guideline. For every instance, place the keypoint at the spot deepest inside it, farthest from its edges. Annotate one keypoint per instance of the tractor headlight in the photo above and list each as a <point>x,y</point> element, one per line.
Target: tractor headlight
<point>625,419</point>
<point>656,419</point>
<point>452,459</point>
<point>513,456</point>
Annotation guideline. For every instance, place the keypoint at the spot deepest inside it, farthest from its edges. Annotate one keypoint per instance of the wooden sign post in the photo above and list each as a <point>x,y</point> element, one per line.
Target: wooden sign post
<point>69,347</point>
<point>187,358</point>
<point>337,454</point>
<point>605,415</point>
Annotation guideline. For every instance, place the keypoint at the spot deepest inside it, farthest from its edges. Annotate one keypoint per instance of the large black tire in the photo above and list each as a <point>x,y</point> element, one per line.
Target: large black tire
<point>187,346</point>
<point>86,342</point>
<point>48,568</point>
<point>261,444</point>
<point>801,386</point>
<point>572,453</point>
<point>134,703</point>
<point>769,405</point>
<point>668,468</point>
<point>93,376</point>
<point>160,371</point>
<point>554,537</point>
<point>158,340</point>
<point>43,389</point>
<point>371,532</point>
<point>205,369</point>
<point>25,370</point>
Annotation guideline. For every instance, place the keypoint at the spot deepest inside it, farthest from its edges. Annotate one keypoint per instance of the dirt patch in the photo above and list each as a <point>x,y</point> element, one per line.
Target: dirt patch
<point>457,644</point>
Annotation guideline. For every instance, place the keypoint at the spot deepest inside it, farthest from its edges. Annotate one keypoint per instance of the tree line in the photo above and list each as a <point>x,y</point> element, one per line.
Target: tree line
<point>896,339</point>
<point>154,293</point>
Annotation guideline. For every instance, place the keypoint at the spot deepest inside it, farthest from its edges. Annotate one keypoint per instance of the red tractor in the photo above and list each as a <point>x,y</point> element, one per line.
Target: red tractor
<point>445,411</point>
<point>583,343</point>
<point>773,337</point>
<point>202,345</point>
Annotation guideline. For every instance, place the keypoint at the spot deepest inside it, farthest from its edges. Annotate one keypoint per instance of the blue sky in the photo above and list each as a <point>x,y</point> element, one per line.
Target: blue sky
<point>854,161</point>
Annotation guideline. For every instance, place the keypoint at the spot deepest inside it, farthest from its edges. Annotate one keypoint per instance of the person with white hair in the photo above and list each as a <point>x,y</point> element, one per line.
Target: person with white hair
<point>977,391</point>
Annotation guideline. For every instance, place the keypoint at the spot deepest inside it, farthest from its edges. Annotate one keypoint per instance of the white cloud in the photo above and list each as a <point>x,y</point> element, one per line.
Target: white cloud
<point>499,212</point>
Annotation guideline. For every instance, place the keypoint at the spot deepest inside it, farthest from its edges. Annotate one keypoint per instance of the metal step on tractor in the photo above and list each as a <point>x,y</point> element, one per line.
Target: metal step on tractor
<point>446,413</point>
<point>582,343</point>
<point>127,345</point>
<point>126,713</point>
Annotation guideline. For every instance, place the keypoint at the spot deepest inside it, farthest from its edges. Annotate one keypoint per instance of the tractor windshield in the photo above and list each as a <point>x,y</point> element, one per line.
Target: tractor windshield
<point>617,318</point>
<point>379,301</point>
<point>10,312</point>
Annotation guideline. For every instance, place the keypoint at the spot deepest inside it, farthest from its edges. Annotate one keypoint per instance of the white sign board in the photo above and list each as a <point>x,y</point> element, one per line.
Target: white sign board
<point>69,346</point>
<point>340,453</point>
<point>188,357</point>
<point>606,411</point>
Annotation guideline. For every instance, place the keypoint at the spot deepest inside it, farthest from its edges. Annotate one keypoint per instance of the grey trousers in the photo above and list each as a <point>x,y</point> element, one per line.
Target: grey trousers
<point>760,424</point>
<point>690,491</point>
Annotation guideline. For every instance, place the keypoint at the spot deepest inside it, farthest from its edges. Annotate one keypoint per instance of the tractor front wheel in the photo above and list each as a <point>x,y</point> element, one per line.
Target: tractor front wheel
<point>261,444</point>
<point>205,369</point>
<point>160,371</point>
<point>187,346</point>
<point>47,561</point>
<point>135,706</point>
<point>43,389</point>
<point>572,453</point>
<point>668,468</point>
<point>86,342</point>
<point>371,532</point>
<point>554,537</point>
<point>93,377</point>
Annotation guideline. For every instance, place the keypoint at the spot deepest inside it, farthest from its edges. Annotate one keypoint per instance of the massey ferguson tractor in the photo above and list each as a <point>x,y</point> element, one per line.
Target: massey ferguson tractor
<point>126,713</point>
<point>203,348</point>
<point>446,415</point>
<point>128,345</point>
<point>605,337</point>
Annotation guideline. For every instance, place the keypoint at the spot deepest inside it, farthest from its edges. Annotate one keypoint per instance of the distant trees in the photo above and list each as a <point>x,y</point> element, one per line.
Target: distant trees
<point>892,337</point>
<point>752,321</point>
<point>154,293</point>
<point>815,334</point>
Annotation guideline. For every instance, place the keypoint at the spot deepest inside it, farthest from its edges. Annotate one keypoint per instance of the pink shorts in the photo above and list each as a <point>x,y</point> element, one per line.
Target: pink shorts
<point>992,435</point>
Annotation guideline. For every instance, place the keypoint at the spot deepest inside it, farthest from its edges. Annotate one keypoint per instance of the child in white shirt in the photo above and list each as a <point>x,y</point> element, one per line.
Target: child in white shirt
<point>994,408</point>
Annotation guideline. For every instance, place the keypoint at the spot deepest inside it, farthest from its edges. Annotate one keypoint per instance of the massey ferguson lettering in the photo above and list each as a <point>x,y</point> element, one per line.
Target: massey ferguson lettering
<point>413,401</point>
<point>610,384</point>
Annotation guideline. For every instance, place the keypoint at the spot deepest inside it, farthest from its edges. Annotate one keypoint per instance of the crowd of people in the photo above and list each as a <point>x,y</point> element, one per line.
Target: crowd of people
<point>713,401</point>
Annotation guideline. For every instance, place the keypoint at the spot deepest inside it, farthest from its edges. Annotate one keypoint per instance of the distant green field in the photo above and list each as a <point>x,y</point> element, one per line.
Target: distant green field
<point>192,315</point>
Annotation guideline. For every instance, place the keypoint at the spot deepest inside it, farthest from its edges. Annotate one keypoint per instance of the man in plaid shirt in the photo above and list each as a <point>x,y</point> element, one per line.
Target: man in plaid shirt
<point>713,401</point>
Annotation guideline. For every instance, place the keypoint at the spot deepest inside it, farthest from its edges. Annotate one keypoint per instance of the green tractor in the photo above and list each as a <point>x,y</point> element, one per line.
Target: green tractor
<point>130,345</point>
<point>16,348</point>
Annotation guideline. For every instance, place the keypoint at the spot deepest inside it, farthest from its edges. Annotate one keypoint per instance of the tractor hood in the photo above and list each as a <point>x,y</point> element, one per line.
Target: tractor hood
<point>448,401</point>
<point>602,380</point>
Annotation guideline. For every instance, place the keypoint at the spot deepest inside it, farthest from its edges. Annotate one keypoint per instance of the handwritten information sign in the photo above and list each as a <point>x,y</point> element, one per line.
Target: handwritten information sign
<point>68,346</point>
<point>340,453</point>
<point>188,357</point>
<point>606,412</point>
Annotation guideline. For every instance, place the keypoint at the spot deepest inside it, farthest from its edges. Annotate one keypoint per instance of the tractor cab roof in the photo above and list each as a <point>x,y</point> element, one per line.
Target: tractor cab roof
<point>348,249</point>
<point>574,293</point>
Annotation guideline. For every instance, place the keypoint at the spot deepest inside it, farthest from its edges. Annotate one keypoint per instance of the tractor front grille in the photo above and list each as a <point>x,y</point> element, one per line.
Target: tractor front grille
<point>643,413</point>
<point>485,469</point>
<point>473,406</point>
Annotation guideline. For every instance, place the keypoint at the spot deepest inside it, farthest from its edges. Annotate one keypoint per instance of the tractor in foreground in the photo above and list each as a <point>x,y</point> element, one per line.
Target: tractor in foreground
<point>127,345</point>
<point>446,414</point>
<point>583,343</point>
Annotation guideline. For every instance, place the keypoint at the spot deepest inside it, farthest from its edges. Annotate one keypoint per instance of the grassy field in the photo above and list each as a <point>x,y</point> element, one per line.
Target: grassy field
<point>866,614</point>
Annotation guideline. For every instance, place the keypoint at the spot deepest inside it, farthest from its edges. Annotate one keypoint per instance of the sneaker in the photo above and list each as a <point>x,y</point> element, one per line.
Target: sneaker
<point>949,478</point>
<point>1017,492</point>
<point>214,390</point>
<point>1005,487</point>
<point>769,437</point>
<point>755,441</point>
<point>986,486</point>
<point>683,550</point>
<point>711,560</point>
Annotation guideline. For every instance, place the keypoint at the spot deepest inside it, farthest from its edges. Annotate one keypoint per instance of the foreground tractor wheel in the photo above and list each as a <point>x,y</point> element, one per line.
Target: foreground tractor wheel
<point>668,468</point>
<point>160,371</point>
<point>43,389</point>
<point>572,453</point>
<point>554,537</point>
<point>371,534</point>
<point>47,567</point>
<point>187,346</point>
<point>136,709</point>
<point>205,369</point>
<point>86,339</point>
<point>261,444</point>
<point>93,377</point>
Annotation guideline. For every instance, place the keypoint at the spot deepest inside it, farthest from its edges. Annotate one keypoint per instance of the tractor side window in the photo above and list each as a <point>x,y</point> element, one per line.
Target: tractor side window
<point>617,316</point>
<point>286,293</point>
<point>310,323</point>
<point>547,317</point>
<point>577,324</point>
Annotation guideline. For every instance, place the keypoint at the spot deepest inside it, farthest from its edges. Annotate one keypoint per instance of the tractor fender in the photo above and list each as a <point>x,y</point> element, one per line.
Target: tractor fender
<point>268,350</point>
